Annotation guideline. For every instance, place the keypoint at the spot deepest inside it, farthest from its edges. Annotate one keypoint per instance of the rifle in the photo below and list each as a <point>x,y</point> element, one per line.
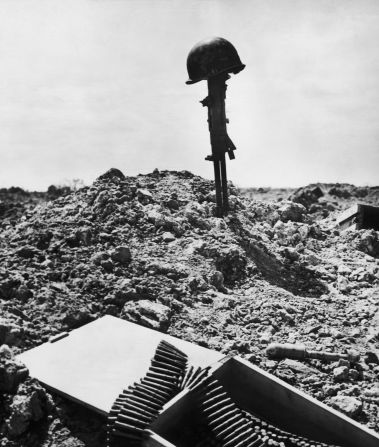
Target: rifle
<point>220,140</point>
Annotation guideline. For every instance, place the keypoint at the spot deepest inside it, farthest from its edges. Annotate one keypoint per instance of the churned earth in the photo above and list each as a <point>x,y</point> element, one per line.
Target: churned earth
<point>149,249</point>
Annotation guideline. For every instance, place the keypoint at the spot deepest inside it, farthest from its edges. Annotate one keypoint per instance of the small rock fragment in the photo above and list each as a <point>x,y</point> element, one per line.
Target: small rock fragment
<point>340,373</point>
<point>346,404</point>
<point>121,254</point>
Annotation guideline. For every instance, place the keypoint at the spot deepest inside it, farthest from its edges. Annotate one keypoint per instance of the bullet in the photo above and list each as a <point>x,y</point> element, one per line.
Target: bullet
<point>157,392</point>
<point>173,348</point>
<point>158,387</point>
<point>226,423</point>
<point>241,434</point>
<point>140,407</point>
<point>128,427</point>
<point>234,433</point>
<point>167,383</point>
<point>219,404</point>
<point>228,429</point>
<point>225,415</point>
<point>198,380</point>
<point>214,399</point>
<point>133,421</point>
<point>168,377</point>
<point>136,414</point>
<point>167,353</point>
<point>207,383</point>
<point>187,376</point>
<point>167,360</point>
<point>172,354</point>
<point>221,411</point>
<point>147,403</point>
<point>240,441</point>
<point>155,384</point>
<point>164,365</point>
<point>212,391</point>
<point>120,401</point>
<point>167,371</point>
<point>145,395</point>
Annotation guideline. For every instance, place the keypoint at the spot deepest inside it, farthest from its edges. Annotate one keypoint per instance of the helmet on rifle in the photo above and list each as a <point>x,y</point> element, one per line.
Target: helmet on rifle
<point>211,57</point>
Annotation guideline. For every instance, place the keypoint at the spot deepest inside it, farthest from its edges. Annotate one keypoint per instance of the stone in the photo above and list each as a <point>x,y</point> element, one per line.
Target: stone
<point>217,280</point>
<point>307,195</point>
<point>168,237</point>
<point>331,390</point>
<point>27,251</point>
<point>8,288</point>
<point>343,284</point>
<point>292,211</point>
<point>197,283</point>
<point>121,254</point>
<point>76,318</point>
<point>346,404</point>
<point>10,332</point>
<point>84,236</point>
<point>96,258</point>
<point>372,357</point>
<point>23,293</point>
<point>5,352</point>
<point>24,410</point>
<point>12,373</point>
<point>368,242</point>
<point>354,374</point>
<point>291,253</point>
<point>152,314</point>
<point>340,373</point>
<point>144,196</point>
<point>107,265</point>
<point>298,367</point>
<point>112,174</point>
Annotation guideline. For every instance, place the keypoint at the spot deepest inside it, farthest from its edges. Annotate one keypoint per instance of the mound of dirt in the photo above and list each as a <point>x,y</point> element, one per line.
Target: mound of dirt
<point>149,249</point>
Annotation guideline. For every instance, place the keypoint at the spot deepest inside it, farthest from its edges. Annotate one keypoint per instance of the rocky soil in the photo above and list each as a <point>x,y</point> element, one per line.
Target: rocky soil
<point>149,249</point>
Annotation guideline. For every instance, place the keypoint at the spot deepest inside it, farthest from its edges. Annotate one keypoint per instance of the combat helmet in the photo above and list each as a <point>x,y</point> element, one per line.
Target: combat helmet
<point>211,57</point>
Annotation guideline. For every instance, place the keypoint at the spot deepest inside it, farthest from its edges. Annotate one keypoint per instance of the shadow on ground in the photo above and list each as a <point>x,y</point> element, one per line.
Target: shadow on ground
<point>294,278</point>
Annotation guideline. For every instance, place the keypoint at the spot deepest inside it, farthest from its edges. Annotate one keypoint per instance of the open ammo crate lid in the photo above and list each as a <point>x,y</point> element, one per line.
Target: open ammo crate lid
<point>266,396</point>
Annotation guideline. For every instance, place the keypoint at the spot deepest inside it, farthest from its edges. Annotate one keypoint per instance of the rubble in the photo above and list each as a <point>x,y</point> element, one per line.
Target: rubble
<point>150,249</point>
<point>148,313</point>
<point>346,404</point>
<point>27,406</point>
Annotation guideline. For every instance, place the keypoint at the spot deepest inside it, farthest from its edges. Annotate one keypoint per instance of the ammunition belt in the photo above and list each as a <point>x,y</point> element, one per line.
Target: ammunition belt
<point>137,406</point>
<point>229,426</point>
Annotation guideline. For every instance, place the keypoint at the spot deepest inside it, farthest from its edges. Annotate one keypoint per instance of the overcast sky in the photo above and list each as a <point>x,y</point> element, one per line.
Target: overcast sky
<point>86,85</point>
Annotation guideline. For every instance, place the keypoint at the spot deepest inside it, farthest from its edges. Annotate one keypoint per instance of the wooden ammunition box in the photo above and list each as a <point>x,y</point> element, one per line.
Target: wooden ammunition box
<point>359,217</point>
<point>266,396</point>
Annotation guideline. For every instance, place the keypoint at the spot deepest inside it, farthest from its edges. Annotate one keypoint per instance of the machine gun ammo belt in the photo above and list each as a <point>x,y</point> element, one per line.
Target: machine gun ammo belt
<point>224,424</point>
<point>220,422</point>
<point>139,405</point>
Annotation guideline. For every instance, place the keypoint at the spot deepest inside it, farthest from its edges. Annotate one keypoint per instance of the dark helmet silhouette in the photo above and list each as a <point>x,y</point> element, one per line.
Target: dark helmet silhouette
<point>211,57</point>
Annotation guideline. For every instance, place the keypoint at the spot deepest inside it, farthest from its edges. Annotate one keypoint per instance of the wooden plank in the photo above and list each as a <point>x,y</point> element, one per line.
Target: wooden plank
<point>94,363</point>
